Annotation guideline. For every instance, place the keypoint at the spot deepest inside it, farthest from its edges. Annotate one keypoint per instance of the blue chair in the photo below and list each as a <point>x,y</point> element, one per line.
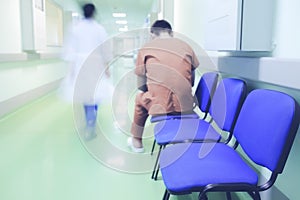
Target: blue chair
<point>225,106</point>
<point>265,131</point>
<point>204,91</point>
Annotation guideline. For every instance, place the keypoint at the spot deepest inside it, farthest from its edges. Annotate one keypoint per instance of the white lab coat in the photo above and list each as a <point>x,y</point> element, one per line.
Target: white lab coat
<point>87,51</point>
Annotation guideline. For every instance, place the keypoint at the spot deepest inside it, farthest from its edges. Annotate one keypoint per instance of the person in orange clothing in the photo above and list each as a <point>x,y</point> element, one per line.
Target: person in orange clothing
<point>164,68</point>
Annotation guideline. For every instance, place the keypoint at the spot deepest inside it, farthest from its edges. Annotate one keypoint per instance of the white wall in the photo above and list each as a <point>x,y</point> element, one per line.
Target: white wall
<point>34,79</point>
<point>11,30</point>
<point>10,34</point>
<point>30,75</point>
<point>54,24</point>
<point>35,75</point>
<point>189,18</point>
<point>287,29</point>
<point>279,69</point>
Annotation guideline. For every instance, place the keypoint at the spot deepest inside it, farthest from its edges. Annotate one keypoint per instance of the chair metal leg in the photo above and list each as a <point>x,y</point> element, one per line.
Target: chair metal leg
<point>153,146</point>
<point>156,167</point>
<point>228,195</point>
<point>156,172</point>
<point>202,196</point>
<point>166,195</point>
<point>255,195</point>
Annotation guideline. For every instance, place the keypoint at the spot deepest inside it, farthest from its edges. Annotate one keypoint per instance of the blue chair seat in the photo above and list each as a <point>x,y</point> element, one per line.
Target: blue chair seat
<point>181,130</point>
<point>200,164</point>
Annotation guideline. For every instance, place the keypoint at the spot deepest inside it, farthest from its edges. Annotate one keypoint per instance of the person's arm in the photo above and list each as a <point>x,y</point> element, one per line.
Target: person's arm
<point>195,64</point>
<point>193,77</point>
<point>140,71</point>
<point>142,83</point>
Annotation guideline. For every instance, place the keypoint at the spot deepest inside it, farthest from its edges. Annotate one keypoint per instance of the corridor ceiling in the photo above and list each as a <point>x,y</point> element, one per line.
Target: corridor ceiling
<point>136,12</point>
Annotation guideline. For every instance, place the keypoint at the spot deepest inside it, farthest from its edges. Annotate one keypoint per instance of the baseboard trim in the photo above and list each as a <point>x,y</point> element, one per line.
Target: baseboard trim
<point>10,105</point>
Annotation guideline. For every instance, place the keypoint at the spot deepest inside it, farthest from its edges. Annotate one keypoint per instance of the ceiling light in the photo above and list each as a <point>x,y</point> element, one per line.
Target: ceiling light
<point>121,22</point>
<point>119,14</point>
<point>75,14</point>
<point>123,29</point>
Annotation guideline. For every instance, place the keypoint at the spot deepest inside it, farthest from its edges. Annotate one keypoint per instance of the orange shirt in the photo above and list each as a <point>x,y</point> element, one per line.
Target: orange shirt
<point>167,65</point>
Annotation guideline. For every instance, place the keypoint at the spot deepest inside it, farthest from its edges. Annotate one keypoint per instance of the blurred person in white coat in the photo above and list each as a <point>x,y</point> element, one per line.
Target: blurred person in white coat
<point>88,54</point>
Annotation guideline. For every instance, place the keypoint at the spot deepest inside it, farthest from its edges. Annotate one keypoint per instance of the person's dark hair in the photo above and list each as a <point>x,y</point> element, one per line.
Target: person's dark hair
<point>88,10</point>
<point>159,26</point>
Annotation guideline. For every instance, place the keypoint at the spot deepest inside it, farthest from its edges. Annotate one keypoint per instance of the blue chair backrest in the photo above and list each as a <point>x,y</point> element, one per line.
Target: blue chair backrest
<point>266,127</point>
<point>227,101</point>
<point>205,90</point>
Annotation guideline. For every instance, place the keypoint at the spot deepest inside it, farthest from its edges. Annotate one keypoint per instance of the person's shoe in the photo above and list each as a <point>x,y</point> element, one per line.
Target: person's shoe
<point>133,148</point>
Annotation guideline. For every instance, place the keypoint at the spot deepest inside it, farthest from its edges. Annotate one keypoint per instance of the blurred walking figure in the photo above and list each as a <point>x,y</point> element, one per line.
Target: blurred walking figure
<point>88,58</point>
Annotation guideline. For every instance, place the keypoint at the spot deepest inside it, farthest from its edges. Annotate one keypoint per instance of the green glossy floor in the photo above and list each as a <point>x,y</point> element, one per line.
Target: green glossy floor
<point>43,158</point>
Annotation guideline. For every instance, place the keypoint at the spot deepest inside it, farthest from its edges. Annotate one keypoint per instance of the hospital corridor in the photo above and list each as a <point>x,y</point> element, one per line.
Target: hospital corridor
<point>67,118</point>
